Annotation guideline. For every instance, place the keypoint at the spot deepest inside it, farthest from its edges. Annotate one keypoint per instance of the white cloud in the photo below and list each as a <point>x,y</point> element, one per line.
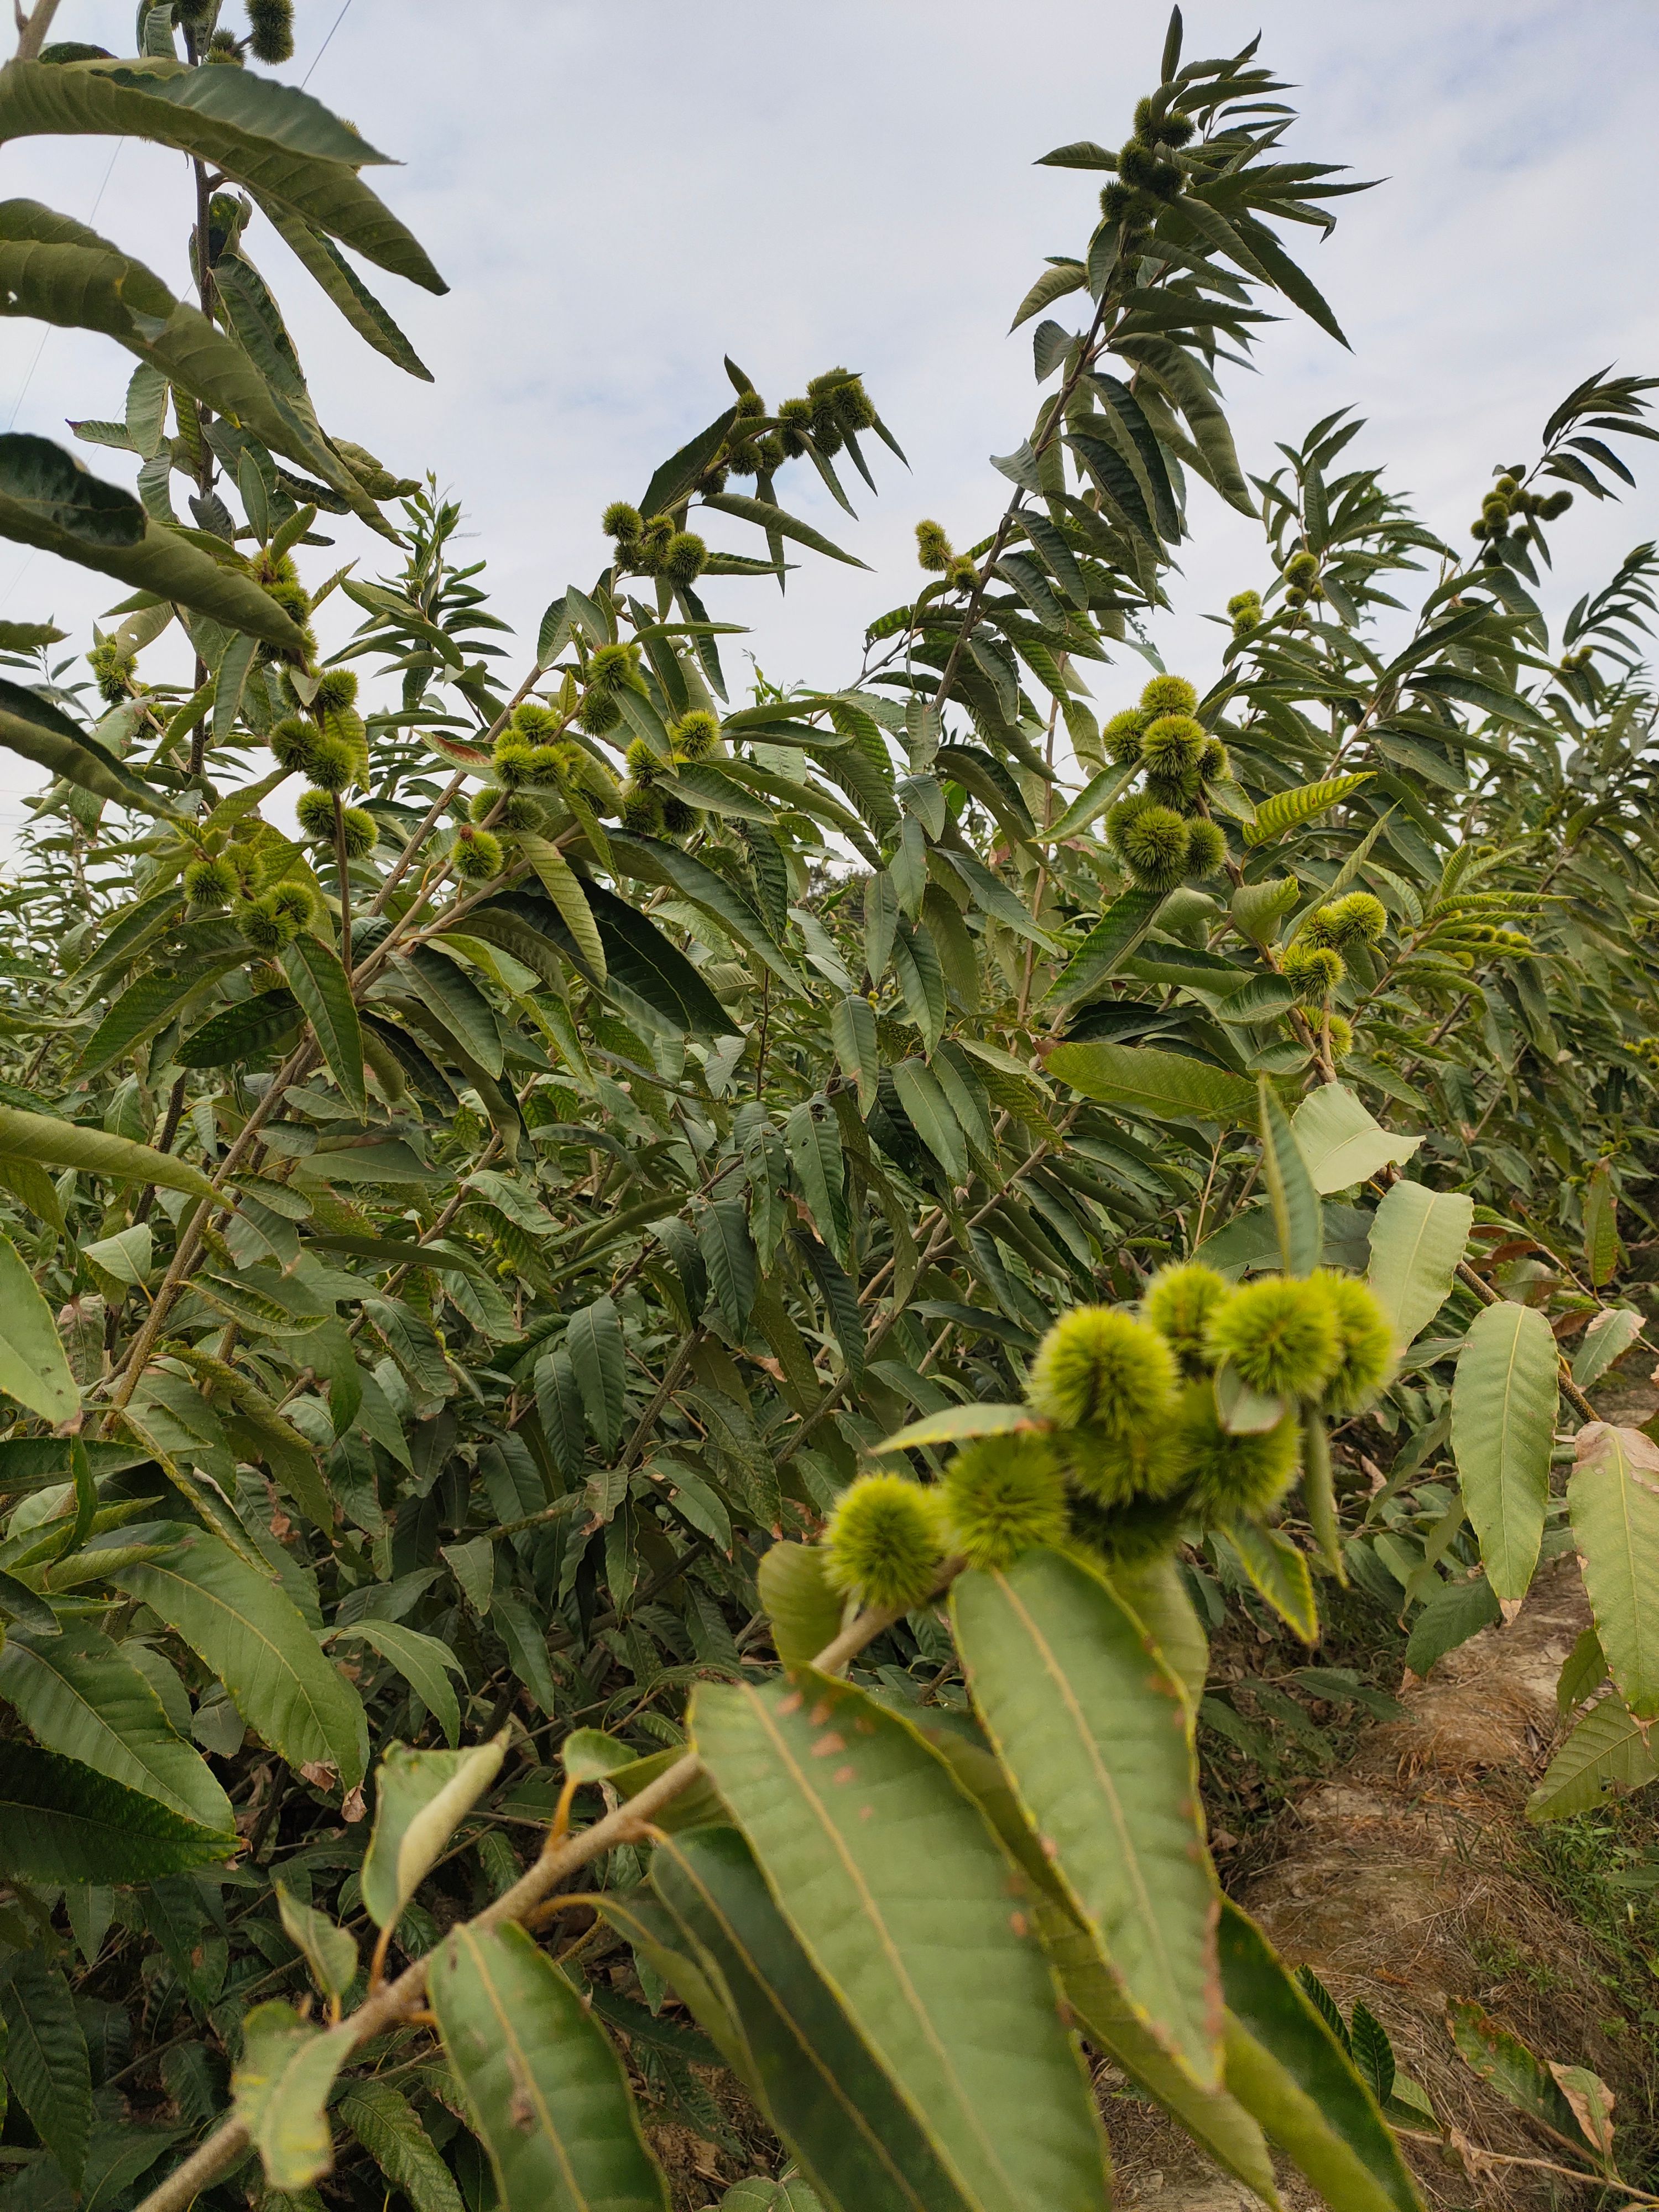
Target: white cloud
<point>619,194</point>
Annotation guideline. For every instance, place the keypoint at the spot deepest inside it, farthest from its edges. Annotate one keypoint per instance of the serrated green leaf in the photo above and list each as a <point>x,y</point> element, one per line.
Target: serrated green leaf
<point>593,1342</point>
<point>545,2090</point>
<point>1614,1499</point>
<point>319,983</point>
<point>560,882</point>
<point>49,502</point>
<point>80,1698</point>
<point>420,1797</point>
<point>250,1029</point>
<point>1280,1571</point>
<point>1503,1403</point>
<point>389,2129</point>
<point>330,1951</point>
<point>1340,1142</point>
<point>967,2029</point>
<point>34,728</point>
<point>424,1662</point>
<point>853,1026</point>
<point>32,1367</point>
<point>1608,1746</point>
<point>1161,1085</point>
<point>1289,810</point>
<point>775,521</point>
<point>282,2087</point>
<point>246,1630</point>
<point>1298,1218</point>
<point>797,1599</point>
<point>61,1822</point>
<point>1417,1240</point>
<point>1096,1738</point>
<point>46,2056</point>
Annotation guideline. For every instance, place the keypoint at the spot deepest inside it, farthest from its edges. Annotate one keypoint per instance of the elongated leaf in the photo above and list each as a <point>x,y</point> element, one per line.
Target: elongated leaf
<point>560,881</point>
<point>39,732</point>
<point>928,1112</point>
<point>1185,382</point>
<point>1609,1747</point>
<point>1280,1570</point>
<point>269,136</point>
<point>642,962</point>
<point>79,1696</point>
<point>853,1025</point>
<point>48,500</point>
<point>26,1136</point>
<point>1289,810</point>
<point>61,1822</point>
<point>593,1342</point>
<point>322,260</point>
<point>728,1253</point>
<point>45,2056</point>
<point>281,2088</point>
<point>1090,803</point>
<point>914,1920</point>
<point>1093,1731</point>
<point>330,1952</point>
<point>723,1944</point>
<point>245,1627</point>
<point>60,271</point>
<point>658,862</point>
<point>1501,2058</point>
<point>1161,1085</point>
<point>545,2090</point>
<point>141,1009</point>
<point>425,1664</point>
<point>1341,1143</point>
<point>457,1003</point>
<point>1286,2066</point>
<point>420,1797</point>
<point>797,1599</point>
<point>776,522</point>
<point>1600,1225</point>
<point>1502,1427</point>
<point>1417,1238</point>
<point>1613,1498</point>
<point>1609,1336</point>
<point>1114,938</point>
<point>319,982</point>
<point>32,1367</point>
<point>1298,1218</point>
<point>251,1029</point>
<point>955,1424</point>
<point>389,2129</point>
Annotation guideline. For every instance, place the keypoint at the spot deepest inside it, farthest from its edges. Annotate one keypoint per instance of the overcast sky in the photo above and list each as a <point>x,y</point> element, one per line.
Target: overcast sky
<point>619,191</point>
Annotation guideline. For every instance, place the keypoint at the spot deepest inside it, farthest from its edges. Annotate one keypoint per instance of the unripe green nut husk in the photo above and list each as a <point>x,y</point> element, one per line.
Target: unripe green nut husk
<point>1214,763</point>
<point>1242,602</point>
<point>621,521</point>
<point>1121,737</point>
<point>1101,1367</point>
<point>1131,1535</point>
<point>360,832</point>
<point>264,925</point>
<point>1207,849</point>
<point>476,855</point>
<point>1365,1339</point>
<point>295,900</point>
<point>750,405</point>
<point>934,551</point>
<point>294,742</point>
<point>314,811</point>
<point>1153,846</point>
<point>1301,568</point>
<point>1358,919</point>
<point>1341,1031</point>
<point>1314,970</point>
<point>335,687</point>
<point>597,713</point>
<point>885,1543</point>
<point>642,762</point>
<point>1179,1302</point>
<point>1117,1470</point>
<point>642,809</point>
<point>514,761</point>
<point>536,723</point>
<point>685,558</point>
<point>210,882</point>
<point>1004,1496</point>
<point>520,813</point>
<point>1235,1478</point>
<point>332,764</point>
<point>1172,743</point>
<point>270,30</point>
<point>1169,694</point>
<point>696,735</point>
<point>1278,1335</point>
<point>678,820</point>
<point>613,667</point>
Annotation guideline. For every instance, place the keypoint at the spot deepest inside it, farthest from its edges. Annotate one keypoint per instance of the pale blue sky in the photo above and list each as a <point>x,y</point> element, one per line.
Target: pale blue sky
<point>621,191</point>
